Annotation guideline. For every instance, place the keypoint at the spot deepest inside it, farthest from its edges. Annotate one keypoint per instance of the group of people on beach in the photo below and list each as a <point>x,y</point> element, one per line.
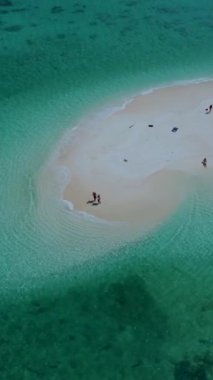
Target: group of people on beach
<point>96,198</point>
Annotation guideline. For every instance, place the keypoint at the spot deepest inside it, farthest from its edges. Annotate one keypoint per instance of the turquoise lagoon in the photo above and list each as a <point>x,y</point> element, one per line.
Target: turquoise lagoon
<point>78,302</point>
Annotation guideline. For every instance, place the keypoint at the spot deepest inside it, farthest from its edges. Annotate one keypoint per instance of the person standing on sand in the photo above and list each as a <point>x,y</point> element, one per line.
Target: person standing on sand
<point>94,196</point>
<point>99,199</point>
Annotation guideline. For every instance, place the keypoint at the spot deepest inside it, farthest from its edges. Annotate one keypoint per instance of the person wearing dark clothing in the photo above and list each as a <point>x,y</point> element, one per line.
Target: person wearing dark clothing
<point>208,110</point>
<point>204,162</point>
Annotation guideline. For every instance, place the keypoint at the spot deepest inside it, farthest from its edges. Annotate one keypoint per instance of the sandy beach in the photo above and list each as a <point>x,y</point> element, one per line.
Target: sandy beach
<point>141,169</point>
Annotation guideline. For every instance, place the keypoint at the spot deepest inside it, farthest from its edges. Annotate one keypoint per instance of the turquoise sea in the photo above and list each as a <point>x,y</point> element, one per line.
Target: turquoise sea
<point>77,302</point>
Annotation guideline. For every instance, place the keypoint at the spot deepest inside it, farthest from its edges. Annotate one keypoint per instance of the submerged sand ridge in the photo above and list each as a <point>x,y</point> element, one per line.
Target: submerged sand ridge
<point>142,172</point>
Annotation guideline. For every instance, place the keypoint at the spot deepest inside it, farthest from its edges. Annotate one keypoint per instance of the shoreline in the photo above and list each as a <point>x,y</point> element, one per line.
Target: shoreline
<point>156,157</point>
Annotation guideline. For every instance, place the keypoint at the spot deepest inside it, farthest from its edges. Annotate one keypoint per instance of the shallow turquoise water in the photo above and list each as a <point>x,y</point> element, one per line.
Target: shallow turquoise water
<point>73,305</point>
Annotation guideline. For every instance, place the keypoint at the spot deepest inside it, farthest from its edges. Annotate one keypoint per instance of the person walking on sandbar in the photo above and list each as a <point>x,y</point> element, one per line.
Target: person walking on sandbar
<point>99,199</point>
<point>94,196</point>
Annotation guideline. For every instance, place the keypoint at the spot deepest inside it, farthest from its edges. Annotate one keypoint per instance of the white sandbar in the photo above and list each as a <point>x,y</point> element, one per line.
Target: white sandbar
<point>160,163</point>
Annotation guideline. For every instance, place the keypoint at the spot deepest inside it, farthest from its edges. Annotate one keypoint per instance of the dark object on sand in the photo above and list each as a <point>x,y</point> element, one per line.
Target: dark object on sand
<point>204,162</point>
<point>150,125</point>
<point>125,160</point>
<point>174,129</point>
<point>131,126</point>
<point>208,110</point>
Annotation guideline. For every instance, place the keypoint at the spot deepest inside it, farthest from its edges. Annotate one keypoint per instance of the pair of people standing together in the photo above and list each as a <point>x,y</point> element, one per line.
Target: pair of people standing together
<point>96,197</point>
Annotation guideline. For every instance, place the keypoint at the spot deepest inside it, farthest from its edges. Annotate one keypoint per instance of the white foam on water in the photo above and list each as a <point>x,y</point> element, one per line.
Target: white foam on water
<point>184,82</point>
<point>64,142</point>
<point>89,217</point>
<point>68,205</point>
<point>109,111</point>
<point>63,178</point>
